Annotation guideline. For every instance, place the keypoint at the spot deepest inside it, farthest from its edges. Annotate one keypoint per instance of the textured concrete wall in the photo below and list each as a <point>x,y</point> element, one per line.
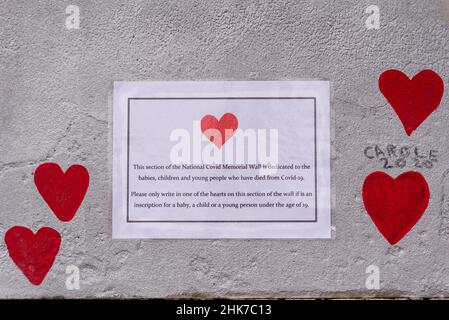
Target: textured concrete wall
<point>55,100</point>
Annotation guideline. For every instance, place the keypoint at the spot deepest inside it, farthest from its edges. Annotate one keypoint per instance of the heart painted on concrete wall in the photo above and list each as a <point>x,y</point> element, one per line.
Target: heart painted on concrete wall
<point>414,99</point>
<point>34,254</point>
<point>63,192</point>
<point>395,205</point>
<point>219,131</point>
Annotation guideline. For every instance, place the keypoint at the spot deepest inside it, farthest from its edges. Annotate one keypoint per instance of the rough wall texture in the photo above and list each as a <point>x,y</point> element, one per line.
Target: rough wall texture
<point>55,100</point>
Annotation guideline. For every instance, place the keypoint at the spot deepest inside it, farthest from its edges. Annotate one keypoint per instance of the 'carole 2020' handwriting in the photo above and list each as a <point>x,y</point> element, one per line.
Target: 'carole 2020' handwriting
<point>394,156</point>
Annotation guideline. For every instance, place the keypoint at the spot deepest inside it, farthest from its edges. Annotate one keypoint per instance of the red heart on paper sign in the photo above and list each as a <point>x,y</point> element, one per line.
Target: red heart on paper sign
<point>395,205</point>
<point>34,254</point>
<point>63,192</point>
<point>219,131</point>
<point>414,99</point>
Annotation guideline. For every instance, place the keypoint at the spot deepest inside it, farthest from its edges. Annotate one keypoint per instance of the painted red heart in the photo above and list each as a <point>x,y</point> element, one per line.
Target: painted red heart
<point>219,131</point>
<point>395,205</point>
<point>414,99</point>
<point>63,192</point>
<point>33,254</point>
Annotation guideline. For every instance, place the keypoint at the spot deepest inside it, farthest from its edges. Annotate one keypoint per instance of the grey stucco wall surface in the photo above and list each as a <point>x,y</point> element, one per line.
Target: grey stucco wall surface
<point>56,105</point>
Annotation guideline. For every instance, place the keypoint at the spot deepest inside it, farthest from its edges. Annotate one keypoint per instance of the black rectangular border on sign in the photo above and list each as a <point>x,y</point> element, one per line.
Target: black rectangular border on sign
<point>220,221</point>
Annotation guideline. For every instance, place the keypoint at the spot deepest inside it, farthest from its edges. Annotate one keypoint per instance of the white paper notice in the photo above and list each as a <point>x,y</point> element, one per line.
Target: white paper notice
<point>235,159</point>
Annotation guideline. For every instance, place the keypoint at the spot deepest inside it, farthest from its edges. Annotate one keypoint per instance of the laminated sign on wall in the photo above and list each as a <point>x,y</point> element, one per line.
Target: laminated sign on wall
<point>221,159</point>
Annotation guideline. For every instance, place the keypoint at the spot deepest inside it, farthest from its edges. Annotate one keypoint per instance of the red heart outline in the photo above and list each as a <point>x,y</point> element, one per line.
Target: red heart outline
<point>63,192</point>
<point>414,99</point>
<point>211,128</point>
<point>395,205</point>
<point>33,254</point>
